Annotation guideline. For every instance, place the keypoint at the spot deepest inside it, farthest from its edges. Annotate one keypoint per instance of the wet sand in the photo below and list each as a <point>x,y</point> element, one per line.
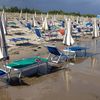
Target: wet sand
<point>77,81</point>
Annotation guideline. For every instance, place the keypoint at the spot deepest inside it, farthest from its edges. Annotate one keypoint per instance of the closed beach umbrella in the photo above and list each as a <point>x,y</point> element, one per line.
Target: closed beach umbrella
<point>96,33</point>
<point>45,24</point>
<point>41,17</point>
<point>68,40</point>
<point>34,21</point>
<point>26,17</point>
<point>3,18</point>
<point>3,46</point>
<point>35,14</point>
<point>20,16</point>
<point>47,15</point>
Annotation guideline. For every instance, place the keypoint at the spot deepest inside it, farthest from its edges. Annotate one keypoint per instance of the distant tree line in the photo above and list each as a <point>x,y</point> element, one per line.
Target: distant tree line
<point>24,10</point>
<point>71,13</point>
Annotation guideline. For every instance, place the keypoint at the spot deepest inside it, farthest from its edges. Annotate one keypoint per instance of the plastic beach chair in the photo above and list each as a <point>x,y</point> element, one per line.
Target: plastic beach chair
<point>55,55</point>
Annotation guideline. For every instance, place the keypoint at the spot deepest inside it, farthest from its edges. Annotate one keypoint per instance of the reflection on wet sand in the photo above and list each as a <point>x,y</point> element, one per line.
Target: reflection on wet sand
<point>93,45</point>
<point>67,78</point>
<point>93,63</point>
<point>4,95</point>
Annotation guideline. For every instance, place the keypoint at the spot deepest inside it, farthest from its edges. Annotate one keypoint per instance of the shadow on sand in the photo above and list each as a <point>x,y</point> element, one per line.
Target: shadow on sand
<point>27,44</point>
<point>55,40</point>
<point>31,74</point>
<point>15,81</point>
<point>20,33</point>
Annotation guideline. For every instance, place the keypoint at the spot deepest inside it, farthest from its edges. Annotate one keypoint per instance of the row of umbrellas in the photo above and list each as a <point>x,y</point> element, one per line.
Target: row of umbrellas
<point>68,39</point>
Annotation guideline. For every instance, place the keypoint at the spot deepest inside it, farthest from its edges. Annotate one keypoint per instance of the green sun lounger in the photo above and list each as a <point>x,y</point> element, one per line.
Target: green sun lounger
<point>26,63</point>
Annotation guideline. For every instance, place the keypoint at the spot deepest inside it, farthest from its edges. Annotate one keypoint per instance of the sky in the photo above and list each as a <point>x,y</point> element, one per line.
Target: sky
<point>82,6</point>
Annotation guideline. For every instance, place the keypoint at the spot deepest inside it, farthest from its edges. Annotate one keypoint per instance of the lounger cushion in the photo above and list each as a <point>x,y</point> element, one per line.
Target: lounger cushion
<point>26,62</point>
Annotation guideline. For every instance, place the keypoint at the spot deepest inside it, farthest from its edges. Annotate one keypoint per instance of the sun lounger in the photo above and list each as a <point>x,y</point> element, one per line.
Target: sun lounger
<point>29,26</point>
<point>19,39</point>
<point>55,55</point>
<point>76,49</point>
<point>4,73</point>
<point>27,63</point>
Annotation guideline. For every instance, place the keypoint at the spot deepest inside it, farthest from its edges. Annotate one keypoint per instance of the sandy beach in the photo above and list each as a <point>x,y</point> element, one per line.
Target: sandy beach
<point>74,80</point>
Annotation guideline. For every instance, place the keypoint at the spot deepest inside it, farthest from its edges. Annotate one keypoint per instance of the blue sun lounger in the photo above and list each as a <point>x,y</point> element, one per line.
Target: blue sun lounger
<point>76,49</point>
<point>19,39</point>
<point>4,73</point>
<point>55,55</point>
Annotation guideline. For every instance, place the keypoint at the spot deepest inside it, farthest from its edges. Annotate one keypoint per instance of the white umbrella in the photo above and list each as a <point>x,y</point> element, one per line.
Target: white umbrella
<point>77,20</point>
<point>45,24</point>
<point>96,33</point>
<point>41,17</point>
<point>68,40</point>
<point>3,46</point>
<point>53,19</point>
<point>34,21</point>
<point>20,16</point>
<point>3,18</point>
<point>47,15</point>
<point>26,17</point>
<point>35,14</point>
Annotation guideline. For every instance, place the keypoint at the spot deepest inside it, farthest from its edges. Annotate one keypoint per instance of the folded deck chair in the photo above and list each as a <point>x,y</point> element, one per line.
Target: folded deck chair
<point>55,55</point>
<point>27,63</point>
<point>19,39</point>
<point>44,35</point>
<point>29,26</point>
<point>38,33</point>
